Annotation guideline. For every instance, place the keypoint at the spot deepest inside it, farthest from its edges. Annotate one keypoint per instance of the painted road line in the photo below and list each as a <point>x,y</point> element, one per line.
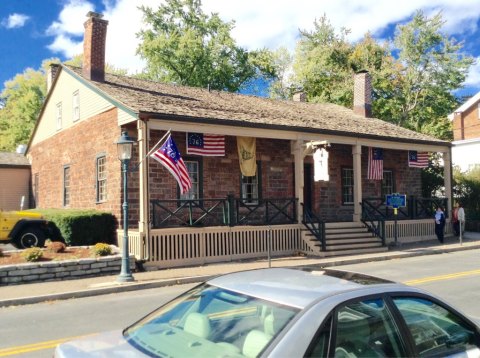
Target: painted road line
<point>442,277</point>
<point>5,352</point>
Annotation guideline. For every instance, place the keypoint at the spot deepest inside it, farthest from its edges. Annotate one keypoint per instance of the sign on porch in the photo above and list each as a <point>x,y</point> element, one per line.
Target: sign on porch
<point>396,200</point>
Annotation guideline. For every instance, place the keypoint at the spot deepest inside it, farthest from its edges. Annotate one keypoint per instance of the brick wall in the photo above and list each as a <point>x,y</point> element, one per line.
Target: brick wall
<point>78,148</point>
<point>328,195</point>
<point>466,125</point>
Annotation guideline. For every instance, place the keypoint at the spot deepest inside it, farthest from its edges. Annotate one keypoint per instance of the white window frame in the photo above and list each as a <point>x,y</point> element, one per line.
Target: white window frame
<point>58,115</point>
<point>193,168</point>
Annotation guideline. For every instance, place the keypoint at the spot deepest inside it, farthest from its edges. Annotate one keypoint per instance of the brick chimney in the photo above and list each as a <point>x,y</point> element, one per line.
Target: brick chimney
<point>94,47</point>
<point>52,74</point>
<point>362,94</point>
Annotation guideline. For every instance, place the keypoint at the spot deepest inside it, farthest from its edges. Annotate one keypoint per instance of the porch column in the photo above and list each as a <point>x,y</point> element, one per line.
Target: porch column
<point>447,175</point>
<point>299,180</point>
<point>357,182</point>
<point>143,186</point>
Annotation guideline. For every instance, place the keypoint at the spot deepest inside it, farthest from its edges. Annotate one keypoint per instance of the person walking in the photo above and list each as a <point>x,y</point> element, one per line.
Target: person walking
<point>461,218</point>
<point>439,224</point>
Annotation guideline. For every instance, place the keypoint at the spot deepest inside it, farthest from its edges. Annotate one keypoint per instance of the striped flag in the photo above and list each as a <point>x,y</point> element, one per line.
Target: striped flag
<point>169,156</point>
<point>417,159</point>
<point>210,145</point>
<point>375,163</point>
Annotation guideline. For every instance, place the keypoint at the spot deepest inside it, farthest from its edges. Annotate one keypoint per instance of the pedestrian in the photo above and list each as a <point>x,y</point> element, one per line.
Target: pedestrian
<point>461,218</point>
<point>439,223</point>
<point>455,222</point>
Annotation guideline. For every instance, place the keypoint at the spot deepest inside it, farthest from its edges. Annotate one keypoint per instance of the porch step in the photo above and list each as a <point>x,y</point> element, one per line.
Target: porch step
<point>344,238</point>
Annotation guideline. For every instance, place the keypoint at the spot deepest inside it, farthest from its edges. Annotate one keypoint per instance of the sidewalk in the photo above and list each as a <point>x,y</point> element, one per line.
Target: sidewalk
<point>57,290</point>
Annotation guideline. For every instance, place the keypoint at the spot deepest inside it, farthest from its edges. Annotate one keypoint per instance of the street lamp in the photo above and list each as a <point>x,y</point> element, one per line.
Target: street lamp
<point>124,149</point>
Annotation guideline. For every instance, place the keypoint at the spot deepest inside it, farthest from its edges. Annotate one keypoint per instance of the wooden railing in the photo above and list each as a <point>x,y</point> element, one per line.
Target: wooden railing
<point>228,211</point>
<point>416,208</point>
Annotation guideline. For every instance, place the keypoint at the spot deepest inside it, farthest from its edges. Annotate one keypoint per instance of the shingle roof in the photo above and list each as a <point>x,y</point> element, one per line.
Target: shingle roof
<point>13,159</point>
<point>236,109</point>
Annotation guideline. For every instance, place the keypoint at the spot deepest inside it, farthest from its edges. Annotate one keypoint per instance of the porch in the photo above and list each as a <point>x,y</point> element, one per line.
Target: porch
<point>197,232</point>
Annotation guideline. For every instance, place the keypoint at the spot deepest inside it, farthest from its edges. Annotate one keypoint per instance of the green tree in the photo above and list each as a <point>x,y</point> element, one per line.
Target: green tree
<point>431,68</point>
<point>466,190</point>
<point>182,44</point>
<point>321,64</point>
<point>22,98</point>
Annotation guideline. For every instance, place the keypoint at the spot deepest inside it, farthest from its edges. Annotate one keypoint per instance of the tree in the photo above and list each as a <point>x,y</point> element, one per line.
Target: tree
<point>431,67</point>
<point>184,45</point>
<point>467,191</point>
<point>22,99</point>
<point>321,64</point>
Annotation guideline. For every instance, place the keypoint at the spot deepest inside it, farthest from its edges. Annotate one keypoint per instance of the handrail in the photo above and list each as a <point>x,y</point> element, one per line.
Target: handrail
<point>314,225</point>
<point>375,224</point>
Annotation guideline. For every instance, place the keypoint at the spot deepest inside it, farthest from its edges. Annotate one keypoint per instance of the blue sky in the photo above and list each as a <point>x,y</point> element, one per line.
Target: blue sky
<point>31,31</point>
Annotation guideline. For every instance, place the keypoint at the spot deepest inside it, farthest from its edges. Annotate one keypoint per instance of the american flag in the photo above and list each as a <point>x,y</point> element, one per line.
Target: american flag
<point>375,163</point>
<point>417,159</point>
<point>210,145</point>
<point>169,156</point>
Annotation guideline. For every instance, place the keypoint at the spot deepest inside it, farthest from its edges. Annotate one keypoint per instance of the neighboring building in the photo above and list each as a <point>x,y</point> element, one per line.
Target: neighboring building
<point>466,134</point>
<point>225,215</point>
<point>14,181</point>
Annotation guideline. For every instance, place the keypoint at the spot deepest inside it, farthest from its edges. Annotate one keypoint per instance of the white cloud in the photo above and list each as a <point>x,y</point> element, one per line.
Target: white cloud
<point>258,23</point>
<point>473,78</point>
<point>15,20</point>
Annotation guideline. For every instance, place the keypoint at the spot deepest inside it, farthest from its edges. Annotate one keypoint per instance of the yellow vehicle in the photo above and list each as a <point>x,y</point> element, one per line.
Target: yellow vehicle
<point>25,229</point>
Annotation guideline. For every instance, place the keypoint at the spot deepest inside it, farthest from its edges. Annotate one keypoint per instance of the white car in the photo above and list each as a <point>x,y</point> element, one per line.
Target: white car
<point>292,313</point>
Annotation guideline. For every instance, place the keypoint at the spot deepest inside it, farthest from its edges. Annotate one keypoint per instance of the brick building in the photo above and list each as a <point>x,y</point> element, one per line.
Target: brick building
<point>225,215</point>
<point>466,134</point>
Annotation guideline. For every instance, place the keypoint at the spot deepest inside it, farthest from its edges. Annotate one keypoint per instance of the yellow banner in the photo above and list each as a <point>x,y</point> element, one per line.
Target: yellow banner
<point>247,155</point>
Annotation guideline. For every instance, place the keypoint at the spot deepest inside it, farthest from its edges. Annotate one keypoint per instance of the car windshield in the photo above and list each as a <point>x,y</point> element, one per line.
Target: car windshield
<point>209,321</point>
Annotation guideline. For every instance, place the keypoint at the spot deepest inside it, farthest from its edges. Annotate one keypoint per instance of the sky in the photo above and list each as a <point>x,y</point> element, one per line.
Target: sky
<point>31,31</point>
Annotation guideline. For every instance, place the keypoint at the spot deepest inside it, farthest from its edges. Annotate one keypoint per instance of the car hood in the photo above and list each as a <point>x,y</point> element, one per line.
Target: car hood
<point>104,345</point>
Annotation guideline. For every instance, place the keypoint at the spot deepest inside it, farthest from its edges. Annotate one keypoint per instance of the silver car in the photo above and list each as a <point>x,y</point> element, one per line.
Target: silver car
<point>292,313</point>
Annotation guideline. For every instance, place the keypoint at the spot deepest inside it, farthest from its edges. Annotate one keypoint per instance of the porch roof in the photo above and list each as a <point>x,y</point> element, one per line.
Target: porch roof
<point>169,101</point>
<point>9,159</point>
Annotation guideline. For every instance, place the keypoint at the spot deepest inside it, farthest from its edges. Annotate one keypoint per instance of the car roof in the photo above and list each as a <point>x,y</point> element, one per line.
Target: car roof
<point>296,287</point>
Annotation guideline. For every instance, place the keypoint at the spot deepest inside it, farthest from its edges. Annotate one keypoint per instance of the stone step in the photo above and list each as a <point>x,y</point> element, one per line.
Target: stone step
<point>340,225</point>
<point>351,235</point>
<point>354,251</point>
<point>345,230</point>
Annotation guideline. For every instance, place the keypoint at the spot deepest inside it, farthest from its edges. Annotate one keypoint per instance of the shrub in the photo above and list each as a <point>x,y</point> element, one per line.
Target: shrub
<point>83,227</point>
<point>55,246</point>
<point>32,254</point>
<point>101,249</point>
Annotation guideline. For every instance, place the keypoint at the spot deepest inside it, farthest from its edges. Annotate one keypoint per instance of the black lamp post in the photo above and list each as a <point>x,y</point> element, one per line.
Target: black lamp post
<point>124,148</point>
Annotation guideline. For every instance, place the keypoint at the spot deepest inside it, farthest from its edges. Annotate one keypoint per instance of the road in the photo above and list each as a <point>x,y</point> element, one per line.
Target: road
<point>33,330</point>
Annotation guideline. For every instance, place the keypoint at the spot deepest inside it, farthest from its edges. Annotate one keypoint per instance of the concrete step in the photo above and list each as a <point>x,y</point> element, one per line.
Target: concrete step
<point>340,225</point>
<point>345,230</point>
<point>354,251</point>
<point>358,246</point>
<point>352,241</point>
<point>351,235</point>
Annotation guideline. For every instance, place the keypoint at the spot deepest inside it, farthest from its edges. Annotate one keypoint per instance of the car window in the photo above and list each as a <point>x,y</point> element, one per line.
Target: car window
<point>367,329</point>
<point>319,345</point>
<point>435,330</point>
<point>209,321</point>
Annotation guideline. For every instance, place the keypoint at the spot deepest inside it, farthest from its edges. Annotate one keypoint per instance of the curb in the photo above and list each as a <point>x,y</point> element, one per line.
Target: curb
<point>125,287</point>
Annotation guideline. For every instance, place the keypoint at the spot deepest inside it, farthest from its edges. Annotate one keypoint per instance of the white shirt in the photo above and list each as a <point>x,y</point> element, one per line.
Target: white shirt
<point>461,214</point>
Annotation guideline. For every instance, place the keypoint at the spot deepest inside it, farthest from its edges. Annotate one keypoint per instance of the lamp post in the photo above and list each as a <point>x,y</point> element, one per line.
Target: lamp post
<point>124,149</point>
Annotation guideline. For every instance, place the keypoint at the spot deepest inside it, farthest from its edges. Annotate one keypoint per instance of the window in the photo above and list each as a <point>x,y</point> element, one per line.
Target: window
<point>367,329</point>
<point>347,186</point>
<point>250,189</point>
<point>436,332</point>
<point>75,106</point>
<point>66,186</point>
<point>58,115</point>
<point>101,179</point>
<point>194,168</point>
<point>387,183</point>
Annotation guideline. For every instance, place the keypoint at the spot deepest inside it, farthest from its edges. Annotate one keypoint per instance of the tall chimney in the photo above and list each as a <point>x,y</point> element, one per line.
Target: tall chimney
<point>52,74</point>
<point>362,94</point>
<point>94,47</point>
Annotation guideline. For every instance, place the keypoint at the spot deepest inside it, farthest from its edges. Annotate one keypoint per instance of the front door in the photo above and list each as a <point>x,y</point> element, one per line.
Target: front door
<point>308,186</point>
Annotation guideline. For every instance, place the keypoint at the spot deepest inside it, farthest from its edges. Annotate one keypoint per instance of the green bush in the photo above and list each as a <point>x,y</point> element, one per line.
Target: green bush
<point>83,227</point>
<point>101,249</point>
<point>32,254</point>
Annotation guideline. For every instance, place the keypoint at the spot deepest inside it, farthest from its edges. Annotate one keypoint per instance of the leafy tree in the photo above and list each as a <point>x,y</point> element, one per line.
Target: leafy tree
<point>22,99</point>
<point>109,68</point>
<point>282,87</point>
<point>467,191</point>
<point>431,68</point>
<point>184,45</point>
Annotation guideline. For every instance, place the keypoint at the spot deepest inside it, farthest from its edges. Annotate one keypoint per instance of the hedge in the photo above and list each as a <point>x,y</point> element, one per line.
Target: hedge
<point>83,227</point>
